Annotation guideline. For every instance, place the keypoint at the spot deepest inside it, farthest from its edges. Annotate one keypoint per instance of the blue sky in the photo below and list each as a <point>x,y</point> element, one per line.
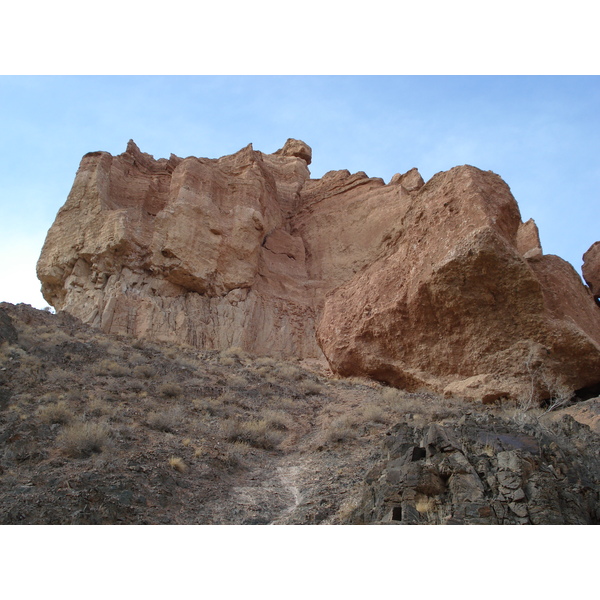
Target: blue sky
<point>539,133</point>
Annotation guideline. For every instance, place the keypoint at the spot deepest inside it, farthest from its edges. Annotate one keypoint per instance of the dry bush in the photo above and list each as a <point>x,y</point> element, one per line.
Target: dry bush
<point>166,420</point>
<point>83,439</point>
<point>111,368</point>
<point>176,463</point>
<point>235,453</point>
<point>98,407</point>
<point>277,419</point>
<point>310,388</point>
<point>143,371</point>
<point>392,395</point>
<point>136,359</point>
<point>374,413</point>
<point>290,373</point>
<point>265,361</point>
<point>259,434</point>
<point>424,504</point>
<point>170,390</point>
<point>58,412</point>
<point>340,430</point>
<point>235,352</point>
<point>237,381</point>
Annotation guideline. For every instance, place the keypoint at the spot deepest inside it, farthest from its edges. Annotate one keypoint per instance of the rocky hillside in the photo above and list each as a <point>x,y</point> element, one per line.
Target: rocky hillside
<point>105,428</point>
<point>434,285</point>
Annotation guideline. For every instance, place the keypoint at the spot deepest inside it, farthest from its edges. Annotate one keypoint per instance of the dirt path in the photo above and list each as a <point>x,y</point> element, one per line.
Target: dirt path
<point>307,483</point>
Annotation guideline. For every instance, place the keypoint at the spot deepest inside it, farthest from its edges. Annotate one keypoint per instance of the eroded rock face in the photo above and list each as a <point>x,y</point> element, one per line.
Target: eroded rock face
<point>591,269</point>
<point>436,285</point>
<point>479,471</point>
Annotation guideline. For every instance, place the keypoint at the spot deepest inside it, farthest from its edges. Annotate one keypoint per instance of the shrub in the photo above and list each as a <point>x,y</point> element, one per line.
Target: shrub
<point>256,433</point>
<point>83,439</point>
<point>310,388</point>
<point>374,413</point>
<point>237,381</point>
<point>143,371</point>
<point>170,390</point>
<point>290,373</point>
<point>340,430</point>
<point>110,367</point>
<point>265,361</point>
<point>277,419</point>
<point>55,413</point>
<point>167,420</point>
<point>391,395</point>
<point>177,464</point>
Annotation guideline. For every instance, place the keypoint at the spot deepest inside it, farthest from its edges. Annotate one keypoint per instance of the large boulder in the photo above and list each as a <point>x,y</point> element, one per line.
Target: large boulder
<point>462,305</point>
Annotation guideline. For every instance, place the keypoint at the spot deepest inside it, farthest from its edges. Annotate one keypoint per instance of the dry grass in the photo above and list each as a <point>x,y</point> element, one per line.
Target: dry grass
<point>170,390</point>
<point>166,420</point>
<point>237,381</point>
<point>310,388</point>
<point>111,368</point>
<point>58,412</point>
<point>177,464</point>
<point>265,361</point>
<point>424,504</point>
<point>277,419</point>
<point>339,430</point>
<point>143,371</point>
<point>83,439</point>
<point>257,433</point>
<point>375,413</point>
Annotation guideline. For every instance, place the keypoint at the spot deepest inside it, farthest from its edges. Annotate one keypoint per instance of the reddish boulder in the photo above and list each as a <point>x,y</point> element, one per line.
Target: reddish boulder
<point>454,305</point>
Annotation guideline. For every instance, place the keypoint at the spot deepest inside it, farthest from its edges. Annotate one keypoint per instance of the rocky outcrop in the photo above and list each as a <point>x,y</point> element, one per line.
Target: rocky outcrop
<point>481,471</point>
<point>591,269</point>
<point>437,285</point>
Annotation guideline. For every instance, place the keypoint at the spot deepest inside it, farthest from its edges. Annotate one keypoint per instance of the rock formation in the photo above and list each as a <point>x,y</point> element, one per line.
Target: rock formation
<point>591,269</point>
<point>436,285</point>
<point>482,472</point>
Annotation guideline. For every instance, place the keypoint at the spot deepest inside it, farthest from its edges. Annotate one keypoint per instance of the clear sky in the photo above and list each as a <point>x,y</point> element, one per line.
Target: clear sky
<point>539,133</point>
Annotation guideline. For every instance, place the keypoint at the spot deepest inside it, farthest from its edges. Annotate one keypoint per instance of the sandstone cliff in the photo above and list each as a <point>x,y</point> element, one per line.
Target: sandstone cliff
<point>436,285</point>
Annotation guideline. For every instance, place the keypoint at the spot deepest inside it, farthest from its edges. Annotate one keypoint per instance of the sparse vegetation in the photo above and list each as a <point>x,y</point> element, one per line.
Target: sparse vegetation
<point>57,412</point>
<point>115,430</point>
<point>257,433</point>
<point>176,463</point>
<point>83,439</point>
<point>165,420</point>
<point>111,368</point>
<point>170,390</point>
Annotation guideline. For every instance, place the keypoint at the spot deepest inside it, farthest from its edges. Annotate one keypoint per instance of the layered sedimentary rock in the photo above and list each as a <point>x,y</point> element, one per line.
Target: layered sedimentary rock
<point>438,285</point>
